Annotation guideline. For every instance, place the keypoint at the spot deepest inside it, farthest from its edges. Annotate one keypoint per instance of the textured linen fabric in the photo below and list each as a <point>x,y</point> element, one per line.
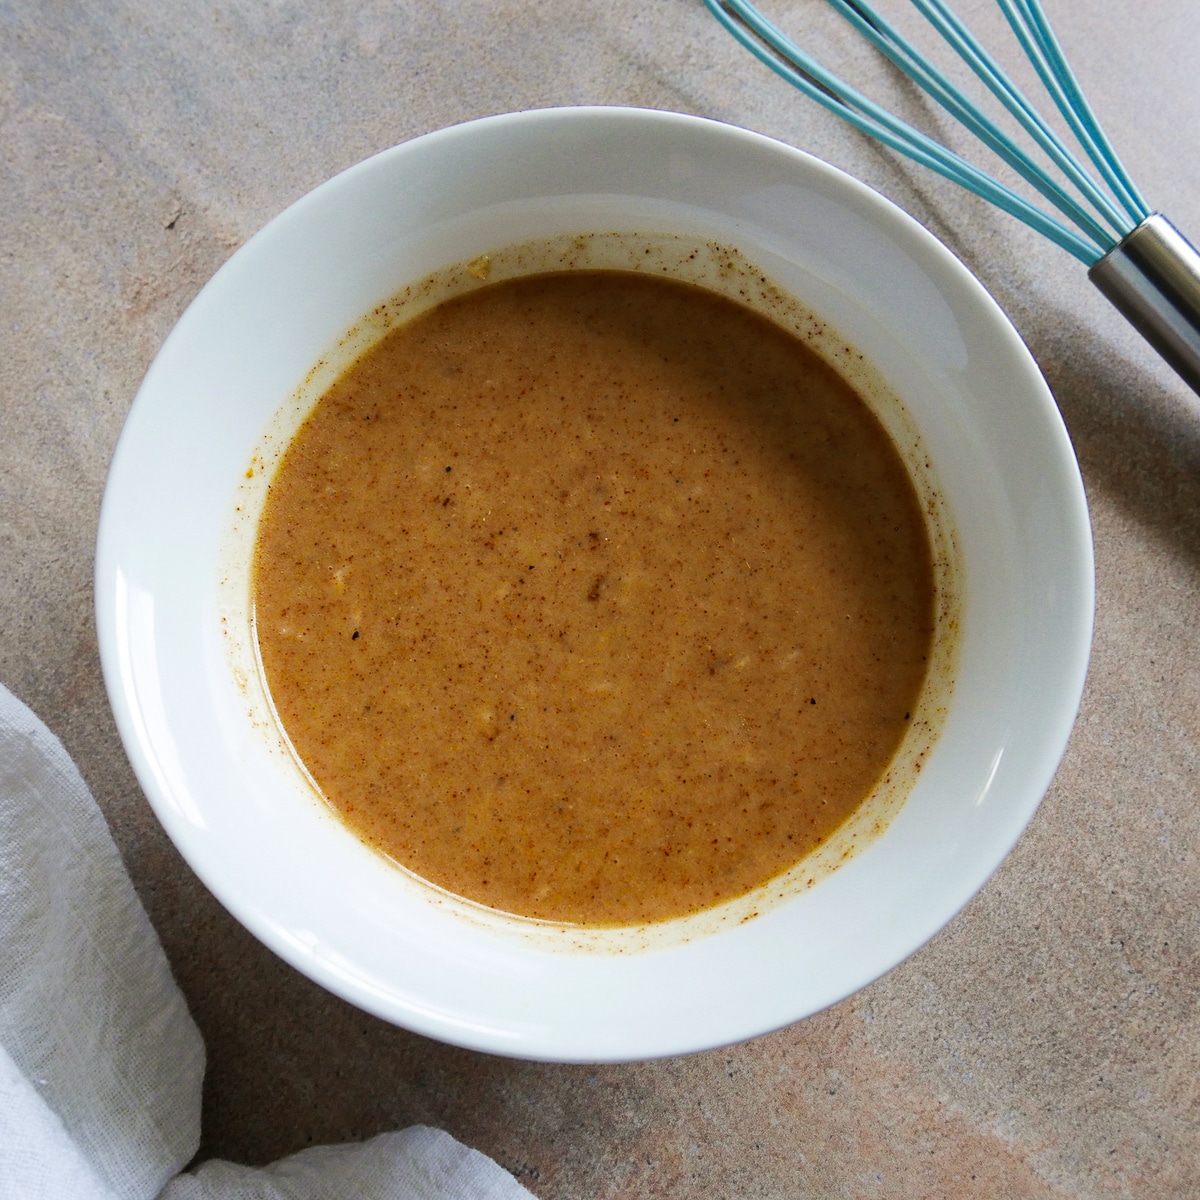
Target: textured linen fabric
<point>38,1159</point>
<point>101,1064</point>
<point>89,1013</point>
<point>414,1164</point>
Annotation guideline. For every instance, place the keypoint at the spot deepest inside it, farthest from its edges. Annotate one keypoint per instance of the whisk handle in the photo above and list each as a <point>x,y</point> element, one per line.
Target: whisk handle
<point>1152,276</point>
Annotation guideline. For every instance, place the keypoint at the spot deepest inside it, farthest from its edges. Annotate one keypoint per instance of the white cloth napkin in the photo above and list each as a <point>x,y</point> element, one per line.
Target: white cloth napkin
<point>100,1062</point>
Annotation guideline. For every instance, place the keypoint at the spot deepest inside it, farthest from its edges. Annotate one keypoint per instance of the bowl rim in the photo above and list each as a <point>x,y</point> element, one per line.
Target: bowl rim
<point>132,726</point>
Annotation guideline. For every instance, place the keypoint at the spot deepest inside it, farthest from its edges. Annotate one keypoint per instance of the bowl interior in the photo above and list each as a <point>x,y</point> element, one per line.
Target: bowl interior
<point>335,910</point>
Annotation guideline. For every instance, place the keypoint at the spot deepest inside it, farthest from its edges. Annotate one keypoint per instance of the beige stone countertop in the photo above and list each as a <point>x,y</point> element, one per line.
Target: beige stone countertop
<point>1045,1044</point>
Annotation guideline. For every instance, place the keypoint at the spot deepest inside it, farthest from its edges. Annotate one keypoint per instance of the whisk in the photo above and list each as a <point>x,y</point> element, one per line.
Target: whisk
<point>1135,256</point>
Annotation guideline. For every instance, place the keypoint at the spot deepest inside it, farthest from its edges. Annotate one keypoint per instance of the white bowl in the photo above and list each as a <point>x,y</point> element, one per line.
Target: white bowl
<point>237,809</point>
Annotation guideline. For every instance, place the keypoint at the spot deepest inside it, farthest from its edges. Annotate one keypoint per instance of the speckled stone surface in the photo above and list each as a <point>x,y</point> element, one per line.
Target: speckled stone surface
<point>1047,1043</point>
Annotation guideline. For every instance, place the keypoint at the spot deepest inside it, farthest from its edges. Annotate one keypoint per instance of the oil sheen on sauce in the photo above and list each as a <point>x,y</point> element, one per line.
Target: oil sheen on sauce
<point>593,597</point>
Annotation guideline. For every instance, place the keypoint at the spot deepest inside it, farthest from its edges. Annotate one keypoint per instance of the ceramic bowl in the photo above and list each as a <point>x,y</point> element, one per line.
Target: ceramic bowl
<point>170,577</point>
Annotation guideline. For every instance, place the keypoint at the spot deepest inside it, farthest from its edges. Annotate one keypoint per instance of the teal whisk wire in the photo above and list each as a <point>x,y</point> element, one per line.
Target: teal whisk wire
<point>1135,256</point>
<point>1037,39</point>
<point>992,75</point>
<point>896,48</point>
<point>1096,233</point>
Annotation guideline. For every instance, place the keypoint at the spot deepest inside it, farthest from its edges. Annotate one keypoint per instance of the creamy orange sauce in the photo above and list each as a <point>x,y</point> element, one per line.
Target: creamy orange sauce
<point>593,597</point>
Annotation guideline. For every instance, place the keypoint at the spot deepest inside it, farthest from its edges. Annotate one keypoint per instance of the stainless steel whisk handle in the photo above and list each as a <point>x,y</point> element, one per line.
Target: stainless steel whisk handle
<point>1152,276</point>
